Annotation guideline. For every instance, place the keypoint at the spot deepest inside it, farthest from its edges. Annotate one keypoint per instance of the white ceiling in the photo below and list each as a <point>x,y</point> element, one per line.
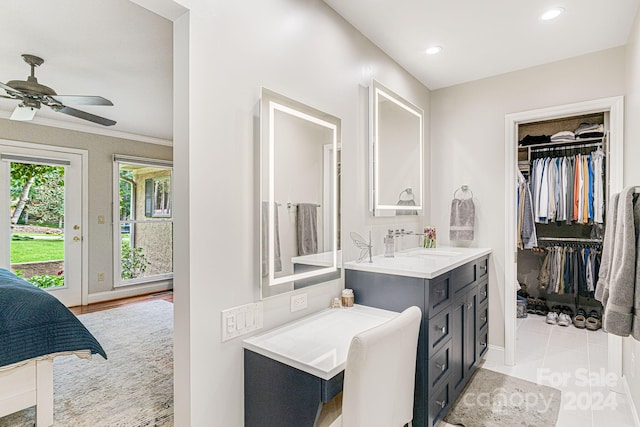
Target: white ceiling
<point>486,38</point>
<point>123,52</point>
<point>113,49</point>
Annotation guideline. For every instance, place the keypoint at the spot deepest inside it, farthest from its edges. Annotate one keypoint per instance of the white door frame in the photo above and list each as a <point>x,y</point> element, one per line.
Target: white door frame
<point>84,155</point>
<point>614,106</point>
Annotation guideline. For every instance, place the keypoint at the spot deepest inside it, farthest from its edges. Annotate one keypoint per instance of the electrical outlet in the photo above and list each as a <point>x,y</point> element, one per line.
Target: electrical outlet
<point>100,219</point>
<point>101,277</point>
<point>241,320</point>
<point>298,302</point>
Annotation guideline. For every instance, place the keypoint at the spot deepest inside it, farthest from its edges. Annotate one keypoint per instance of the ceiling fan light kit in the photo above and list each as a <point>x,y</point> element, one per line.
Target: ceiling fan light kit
<point>33,94</point>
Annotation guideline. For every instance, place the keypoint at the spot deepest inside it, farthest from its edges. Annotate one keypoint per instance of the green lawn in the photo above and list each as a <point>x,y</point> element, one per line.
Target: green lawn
<point>36,250</point>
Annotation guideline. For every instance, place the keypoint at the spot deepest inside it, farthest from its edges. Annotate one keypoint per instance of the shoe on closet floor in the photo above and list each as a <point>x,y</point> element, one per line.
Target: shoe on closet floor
<point>552,318</point>
<point>593,322</point>
<point>564,319</point>
<point>580,321</point>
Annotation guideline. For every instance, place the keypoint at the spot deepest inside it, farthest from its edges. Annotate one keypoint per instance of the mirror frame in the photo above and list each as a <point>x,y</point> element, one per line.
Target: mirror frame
<point>377,90</point>
<point>270,103</point>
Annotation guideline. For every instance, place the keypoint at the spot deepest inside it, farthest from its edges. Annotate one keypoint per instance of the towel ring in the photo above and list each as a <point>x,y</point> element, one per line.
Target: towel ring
<point>464,189</point>
<point>408,192</point>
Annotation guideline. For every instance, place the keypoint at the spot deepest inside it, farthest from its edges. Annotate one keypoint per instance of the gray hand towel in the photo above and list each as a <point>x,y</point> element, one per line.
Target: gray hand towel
<point>307,224</point>
<point>406,211</point>
<point>265,239</point>
<point>618,316</point>
<point>602,287</point>
<point>462,219</point>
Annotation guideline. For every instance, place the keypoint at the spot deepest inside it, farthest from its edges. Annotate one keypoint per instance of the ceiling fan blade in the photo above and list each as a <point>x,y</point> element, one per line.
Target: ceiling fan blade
<point>10,90</point>
<point>85,116</point>
<point>82,100</point>
<point>23,113</point>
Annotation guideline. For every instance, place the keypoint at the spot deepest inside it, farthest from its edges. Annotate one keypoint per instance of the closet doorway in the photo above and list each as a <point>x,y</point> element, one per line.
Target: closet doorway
<point>611,109</point>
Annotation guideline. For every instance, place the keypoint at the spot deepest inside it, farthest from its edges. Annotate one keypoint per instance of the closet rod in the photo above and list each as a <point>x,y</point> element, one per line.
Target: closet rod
<point>569,239</point>
<point>574,142</point>
<point>566,146</point>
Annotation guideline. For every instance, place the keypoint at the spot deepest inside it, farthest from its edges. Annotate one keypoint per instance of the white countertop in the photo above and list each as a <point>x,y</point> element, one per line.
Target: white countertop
<point>318,344</point>
<point>420,262</point>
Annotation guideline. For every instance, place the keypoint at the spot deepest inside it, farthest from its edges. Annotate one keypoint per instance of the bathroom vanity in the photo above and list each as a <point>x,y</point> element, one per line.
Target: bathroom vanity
<point>450,285</point>
<point>290,371</point>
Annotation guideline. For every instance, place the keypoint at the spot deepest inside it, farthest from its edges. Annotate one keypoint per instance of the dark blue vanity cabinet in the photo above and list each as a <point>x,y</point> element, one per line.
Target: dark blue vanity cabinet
<point>453,333</point>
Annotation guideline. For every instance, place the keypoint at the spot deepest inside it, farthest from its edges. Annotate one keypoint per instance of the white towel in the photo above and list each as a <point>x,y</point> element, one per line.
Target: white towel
<point>462,219</point>
<point>265,239</point>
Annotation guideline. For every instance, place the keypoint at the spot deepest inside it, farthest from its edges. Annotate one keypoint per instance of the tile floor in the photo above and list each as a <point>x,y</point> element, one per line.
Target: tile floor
<point>574,361</point>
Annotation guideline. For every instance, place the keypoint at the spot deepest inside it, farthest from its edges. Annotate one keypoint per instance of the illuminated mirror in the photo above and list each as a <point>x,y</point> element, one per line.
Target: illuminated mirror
<point>396,159</point>
<point>299,195</point>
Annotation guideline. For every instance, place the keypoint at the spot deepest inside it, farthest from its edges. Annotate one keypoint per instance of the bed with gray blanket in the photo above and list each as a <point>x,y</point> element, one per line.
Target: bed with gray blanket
<point>34,328</point>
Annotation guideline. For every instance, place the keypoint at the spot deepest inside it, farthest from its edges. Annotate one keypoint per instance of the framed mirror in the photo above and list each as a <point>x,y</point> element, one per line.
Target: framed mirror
<point>299,195</point>
<point>395,153</point>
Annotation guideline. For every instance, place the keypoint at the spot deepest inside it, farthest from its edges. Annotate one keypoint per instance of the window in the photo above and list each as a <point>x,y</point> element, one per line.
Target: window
<point>143,233</point>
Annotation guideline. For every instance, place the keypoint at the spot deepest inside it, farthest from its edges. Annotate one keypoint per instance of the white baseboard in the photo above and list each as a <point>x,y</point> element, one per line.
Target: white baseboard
<point>632,404</point>
<point>131,291</point>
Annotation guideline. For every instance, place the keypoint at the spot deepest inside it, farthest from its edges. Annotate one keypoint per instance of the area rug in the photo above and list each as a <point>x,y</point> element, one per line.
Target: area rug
<point>492,399</point>
<point>133,388</point>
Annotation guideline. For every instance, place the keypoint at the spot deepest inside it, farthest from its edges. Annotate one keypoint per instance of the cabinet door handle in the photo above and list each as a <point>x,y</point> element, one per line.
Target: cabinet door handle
<point>441,366</point>
<point>440,292</point>
<point>483,319</point>
<point>469,306</point>
<point>442,404</point>
<point>483,293</point>
<point>442,329</point>
<point>483,344</point>
<point>483,267</point>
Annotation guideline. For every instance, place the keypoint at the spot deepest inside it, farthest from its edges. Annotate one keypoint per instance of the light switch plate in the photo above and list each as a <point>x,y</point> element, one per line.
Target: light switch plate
<point>241,320</point>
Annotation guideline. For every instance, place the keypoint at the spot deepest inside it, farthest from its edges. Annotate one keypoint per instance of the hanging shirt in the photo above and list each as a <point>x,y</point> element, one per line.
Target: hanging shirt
<point>590,192</point>
<point>598,186</point>
<point>576,188</point>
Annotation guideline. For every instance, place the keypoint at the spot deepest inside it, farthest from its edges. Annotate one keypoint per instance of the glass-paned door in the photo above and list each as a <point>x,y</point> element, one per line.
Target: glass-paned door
<point>42,198</point>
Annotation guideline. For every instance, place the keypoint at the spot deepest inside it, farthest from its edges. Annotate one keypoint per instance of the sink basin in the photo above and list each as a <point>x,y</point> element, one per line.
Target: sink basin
<point>429,253</point>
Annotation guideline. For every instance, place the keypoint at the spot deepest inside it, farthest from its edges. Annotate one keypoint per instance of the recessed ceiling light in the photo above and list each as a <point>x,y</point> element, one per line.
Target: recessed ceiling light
<point>551,13</point>
<point>433,50</point>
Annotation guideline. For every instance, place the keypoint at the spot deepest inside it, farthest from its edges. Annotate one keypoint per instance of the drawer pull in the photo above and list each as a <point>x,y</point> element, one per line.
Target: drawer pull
<point>469,306</point>
<point>483,267</point>
<point>483,344</point>
<point>440,292</point>
<point>483,319</point>
<point>442,404</point>
<point>442,329</point>
<point>441,366</point>
<point>483,293</point>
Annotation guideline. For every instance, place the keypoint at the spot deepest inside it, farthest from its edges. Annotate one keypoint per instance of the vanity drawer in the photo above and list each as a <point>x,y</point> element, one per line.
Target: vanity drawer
<point>483,315</point>
<point>439,295</point>
<point>439,365</point>
<point>482,267</point>
<point>483,292</point>
<point>439,331</point>
<point>463,276</point>
<point>483,342</point>
<point>439,404</point>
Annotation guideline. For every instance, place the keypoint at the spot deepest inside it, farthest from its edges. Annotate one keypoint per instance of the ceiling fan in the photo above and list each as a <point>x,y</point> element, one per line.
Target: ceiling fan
<point>32,95</point>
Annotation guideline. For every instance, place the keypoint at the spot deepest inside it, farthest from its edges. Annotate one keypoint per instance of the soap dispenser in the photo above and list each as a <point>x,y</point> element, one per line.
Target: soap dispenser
<point>389,244</point>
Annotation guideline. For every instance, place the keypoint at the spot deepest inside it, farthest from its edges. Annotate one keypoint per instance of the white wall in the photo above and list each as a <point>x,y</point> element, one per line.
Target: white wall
<point>303,50</point>
<point>631,347</point>
<point>467,134</point>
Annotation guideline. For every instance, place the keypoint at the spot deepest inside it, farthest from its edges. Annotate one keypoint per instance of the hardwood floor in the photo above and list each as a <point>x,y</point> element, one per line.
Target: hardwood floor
<point>83,309</point>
